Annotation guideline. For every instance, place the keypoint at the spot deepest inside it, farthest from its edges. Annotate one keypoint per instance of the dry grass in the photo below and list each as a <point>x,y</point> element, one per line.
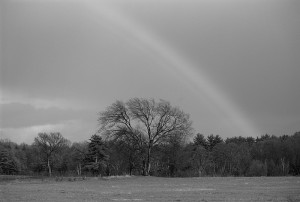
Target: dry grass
<point>153,189</point>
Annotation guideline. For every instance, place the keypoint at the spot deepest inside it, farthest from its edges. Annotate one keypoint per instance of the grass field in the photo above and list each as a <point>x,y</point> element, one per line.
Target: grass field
<point>152,189</point>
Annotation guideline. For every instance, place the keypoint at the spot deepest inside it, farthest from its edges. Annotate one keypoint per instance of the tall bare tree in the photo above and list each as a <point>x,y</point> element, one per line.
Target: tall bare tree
<point>145,123</point>
<point>49,144</point>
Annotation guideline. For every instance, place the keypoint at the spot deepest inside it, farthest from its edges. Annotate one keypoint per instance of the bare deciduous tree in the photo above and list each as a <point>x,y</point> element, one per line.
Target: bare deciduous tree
<point>49,144</point>
<point>145,123</point>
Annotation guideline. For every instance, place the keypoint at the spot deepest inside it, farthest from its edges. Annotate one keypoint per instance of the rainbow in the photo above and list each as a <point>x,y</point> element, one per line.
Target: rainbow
<point>193,76</point>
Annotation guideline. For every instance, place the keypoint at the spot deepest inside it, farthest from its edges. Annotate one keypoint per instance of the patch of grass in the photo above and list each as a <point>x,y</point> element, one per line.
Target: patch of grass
<point>154,189</point>
<point>14,177</point>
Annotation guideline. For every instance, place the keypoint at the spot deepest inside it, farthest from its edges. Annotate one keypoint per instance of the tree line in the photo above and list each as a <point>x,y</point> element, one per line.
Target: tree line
<point>146,137</point>
<point>204,156</point>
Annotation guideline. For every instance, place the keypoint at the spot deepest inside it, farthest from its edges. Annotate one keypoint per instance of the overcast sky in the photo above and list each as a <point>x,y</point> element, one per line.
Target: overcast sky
<point>233,65</point>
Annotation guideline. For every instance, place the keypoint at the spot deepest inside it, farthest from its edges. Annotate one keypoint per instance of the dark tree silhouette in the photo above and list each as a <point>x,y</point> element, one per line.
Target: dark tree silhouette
<point>8,165</point>
<point>97,156</point>
<point>213,140</point>
<point>49,144</point>
<point>200,140</point>
<point>145,123</point>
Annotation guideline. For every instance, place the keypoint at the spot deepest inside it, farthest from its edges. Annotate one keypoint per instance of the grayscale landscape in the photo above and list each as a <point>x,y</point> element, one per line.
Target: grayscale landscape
<point>149,100</point>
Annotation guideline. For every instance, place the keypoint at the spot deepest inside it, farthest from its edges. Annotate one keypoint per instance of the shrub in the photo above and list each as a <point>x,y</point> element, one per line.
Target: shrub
<point>257,168</point>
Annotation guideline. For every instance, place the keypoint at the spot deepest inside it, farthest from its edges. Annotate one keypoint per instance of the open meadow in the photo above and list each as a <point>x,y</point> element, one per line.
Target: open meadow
<point>152,189</point>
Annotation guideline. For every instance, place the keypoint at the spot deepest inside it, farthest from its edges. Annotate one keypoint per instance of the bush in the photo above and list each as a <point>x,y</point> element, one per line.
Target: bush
<point>257,168</point>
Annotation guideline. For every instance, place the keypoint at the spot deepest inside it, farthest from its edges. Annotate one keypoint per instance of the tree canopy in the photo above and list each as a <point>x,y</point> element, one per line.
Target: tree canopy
<point>144,122</point>
<point>49,144</point>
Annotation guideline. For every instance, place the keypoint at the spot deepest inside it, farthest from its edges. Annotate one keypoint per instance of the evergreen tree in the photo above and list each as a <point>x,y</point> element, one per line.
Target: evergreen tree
<point>213,140</point>
<point>7,164</point>
<point>199,140</point>
<point>96,158</point>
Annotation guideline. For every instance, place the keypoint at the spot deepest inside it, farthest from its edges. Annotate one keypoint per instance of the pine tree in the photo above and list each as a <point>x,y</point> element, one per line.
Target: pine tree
<point>7,164</point>
<point>96,159</point>
<point>199,140</point>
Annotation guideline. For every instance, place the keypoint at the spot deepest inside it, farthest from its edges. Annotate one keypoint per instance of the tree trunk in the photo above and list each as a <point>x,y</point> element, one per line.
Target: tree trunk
<point>199,172</point>
<point>78,168</point>
<point>144,168</point>
<point>49,167</point>
<point>148,164</point>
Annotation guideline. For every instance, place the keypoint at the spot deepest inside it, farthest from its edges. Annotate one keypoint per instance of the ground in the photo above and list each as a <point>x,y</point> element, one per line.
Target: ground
<point>152,189</point>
